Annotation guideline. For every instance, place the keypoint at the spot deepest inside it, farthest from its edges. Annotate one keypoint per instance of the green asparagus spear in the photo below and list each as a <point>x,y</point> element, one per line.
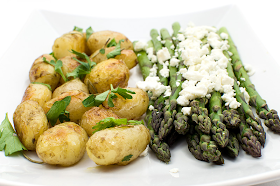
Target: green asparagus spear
<point>270,116</point>
<point>247,139</point>
<point>231,117</point>
<point>254,122</point>
<point>200,114</point>
<point>219,131</point>
<point>232,148</point>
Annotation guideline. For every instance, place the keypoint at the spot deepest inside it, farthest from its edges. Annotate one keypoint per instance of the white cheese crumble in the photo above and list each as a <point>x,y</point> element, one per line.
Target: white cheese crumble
<point>140,45</point>
<point>186,111</point>
<point>163,55</point>
<point>151,107</point>
<point>249,69</point>
<point>174,170</point>
<point>246,94</point>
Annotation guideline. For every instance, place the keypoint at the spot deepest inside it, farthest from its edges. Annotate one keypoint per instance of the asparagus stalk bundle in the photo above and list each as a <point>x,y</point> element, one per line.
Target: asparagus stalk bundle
<point>270,116</point>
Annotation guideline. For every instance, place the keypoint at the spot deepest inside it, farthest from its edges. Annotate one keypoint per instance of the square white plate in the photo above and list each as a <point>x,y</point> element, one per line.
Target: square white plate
<point>37,37</point>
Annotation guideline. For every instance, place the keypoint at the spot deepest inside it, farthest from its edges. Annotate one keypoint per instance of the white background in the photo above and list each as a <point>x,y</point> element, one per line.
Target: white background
<point>262,16</point>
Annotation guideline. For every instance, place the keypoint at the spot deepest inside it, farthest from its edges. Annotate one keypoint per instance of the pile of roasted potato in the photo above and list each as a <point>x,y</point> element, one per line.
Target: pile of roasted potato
<point>66,143</point>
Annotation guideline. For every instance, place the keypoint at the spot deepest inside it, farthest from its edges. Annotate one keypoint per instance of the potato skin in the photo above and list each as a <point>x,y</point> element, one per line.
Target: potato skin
<point>127,56</point>
<point>74,84</point>
<point>76,108</point>
<point>130,108</point>
<point>97,40</point>
<point>63,144</point>
<point>37,92</point>
<point>68,65</point>
<point>71,40</point>
<point>43,72</point>
<point>111,145</point>
<point>111,71</point>
<point>30,122</point>
<point>93,116</point>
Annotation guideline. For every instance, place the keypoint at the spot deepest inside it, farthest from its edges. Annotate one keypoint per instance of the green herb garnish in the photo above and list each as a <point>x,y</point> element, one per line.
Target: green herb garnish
<point>102,51</point>
<point>9,140</point>
<point>47,85</point>
<point>89,31</point>
<point>127,158</point>
<point>112,43</point>
<point>92,100</point>
<point>78,29</point>
<point>57,67</point>
<point>110,122</point>
<point>116,51</point>
<point>82,69</point>
<point>58,111</point>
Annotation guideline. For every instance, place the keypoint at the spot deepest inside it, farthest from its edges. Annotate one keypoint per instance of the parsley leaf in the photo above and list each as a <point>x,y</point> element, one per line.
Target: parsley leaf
<point>92,100</point>
<point>122,92</point>
<point>47,85</point>
<point>117,50</point>
<point>57,67</point>
<point>89,31</point>
<point>9,140</point>
<point>127,158</point>
<point>58,111</point>
<point>78,29</point>
<point>102,51</point>
<point>82,69</point>
<point>113,122</point>
<point>112,43</point>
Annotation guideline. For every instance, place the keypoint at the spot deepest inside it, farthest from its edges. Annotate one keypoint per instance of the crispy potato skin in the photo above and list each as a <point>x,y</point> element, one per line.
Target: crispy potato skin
<point>37,92</point>
<point>127,56</point>
<point>71,40</point>
<point>93,116</point>
<point>63,144</point>
<point>111,71</point>
<point>97,40</point>
<point>130,108</point>
<point>74,84</point>
<point>76,108</point>
<point>30,122</point>
<point>43,72</point>
<point>111,145</point>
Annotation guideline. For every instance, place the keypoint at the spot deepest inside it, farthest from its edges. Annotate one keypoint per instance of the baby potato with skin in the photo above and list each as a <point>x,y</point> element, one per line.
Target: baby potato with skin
<point>130,108</point>
<point>72,40</point>
<point>93,116</point>
<point>115,145</point>
<point>105,73</point>
<point>43,72</point>
<point>127,56</point>
<point>37,92</point>
<point>30,122</point>
<point>63,144</point>
<point>74,84</point>
<point>76,108</point>
<point>97,40</point>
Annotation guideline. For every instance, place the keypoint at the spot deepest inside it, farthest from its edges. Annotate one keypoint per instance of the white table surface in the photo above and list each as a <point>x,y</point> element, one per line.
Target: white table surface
<point>262,16</point>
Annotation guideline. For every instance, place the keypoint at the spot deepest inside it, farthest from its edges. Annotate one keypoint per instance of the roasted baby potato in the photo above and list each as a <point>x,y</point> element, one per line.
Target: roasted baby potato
<point>118,145</point>
<point>127,56</point>
<point>74,84</point>
<point>76,108</point>
<point>97,40</point>
<point>130,108</point>
<point>37,92</point>
<point>30,122</point>
<point>43,72</point>
<point>72,40</point>
<point>111,71</point>
<point>93,116</point>
<point>63,144</point>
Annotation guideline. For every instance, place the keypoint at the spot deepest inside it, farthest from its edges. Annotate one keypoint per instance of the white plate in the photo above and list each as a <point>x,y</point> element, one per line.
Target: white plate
<point>37,38</point>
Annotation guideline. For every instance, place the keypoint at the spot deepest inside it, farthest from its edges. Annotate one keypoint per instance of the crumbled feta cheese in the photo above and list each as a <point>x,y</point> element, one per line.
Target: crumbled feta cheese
<point>159,38</point>
<point>249,69</point>
<point>174,170</point>
<point>153,71</point>
<point>152,84</point>
<point>140,45</point>
<point>151,107</point>
<point>164,71</point>
<point>242,79</point>
<point>163,55</point>
<point>186,111</point>
<point>174,62</point>
<point>180,37</point>
<point>224,35</point>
